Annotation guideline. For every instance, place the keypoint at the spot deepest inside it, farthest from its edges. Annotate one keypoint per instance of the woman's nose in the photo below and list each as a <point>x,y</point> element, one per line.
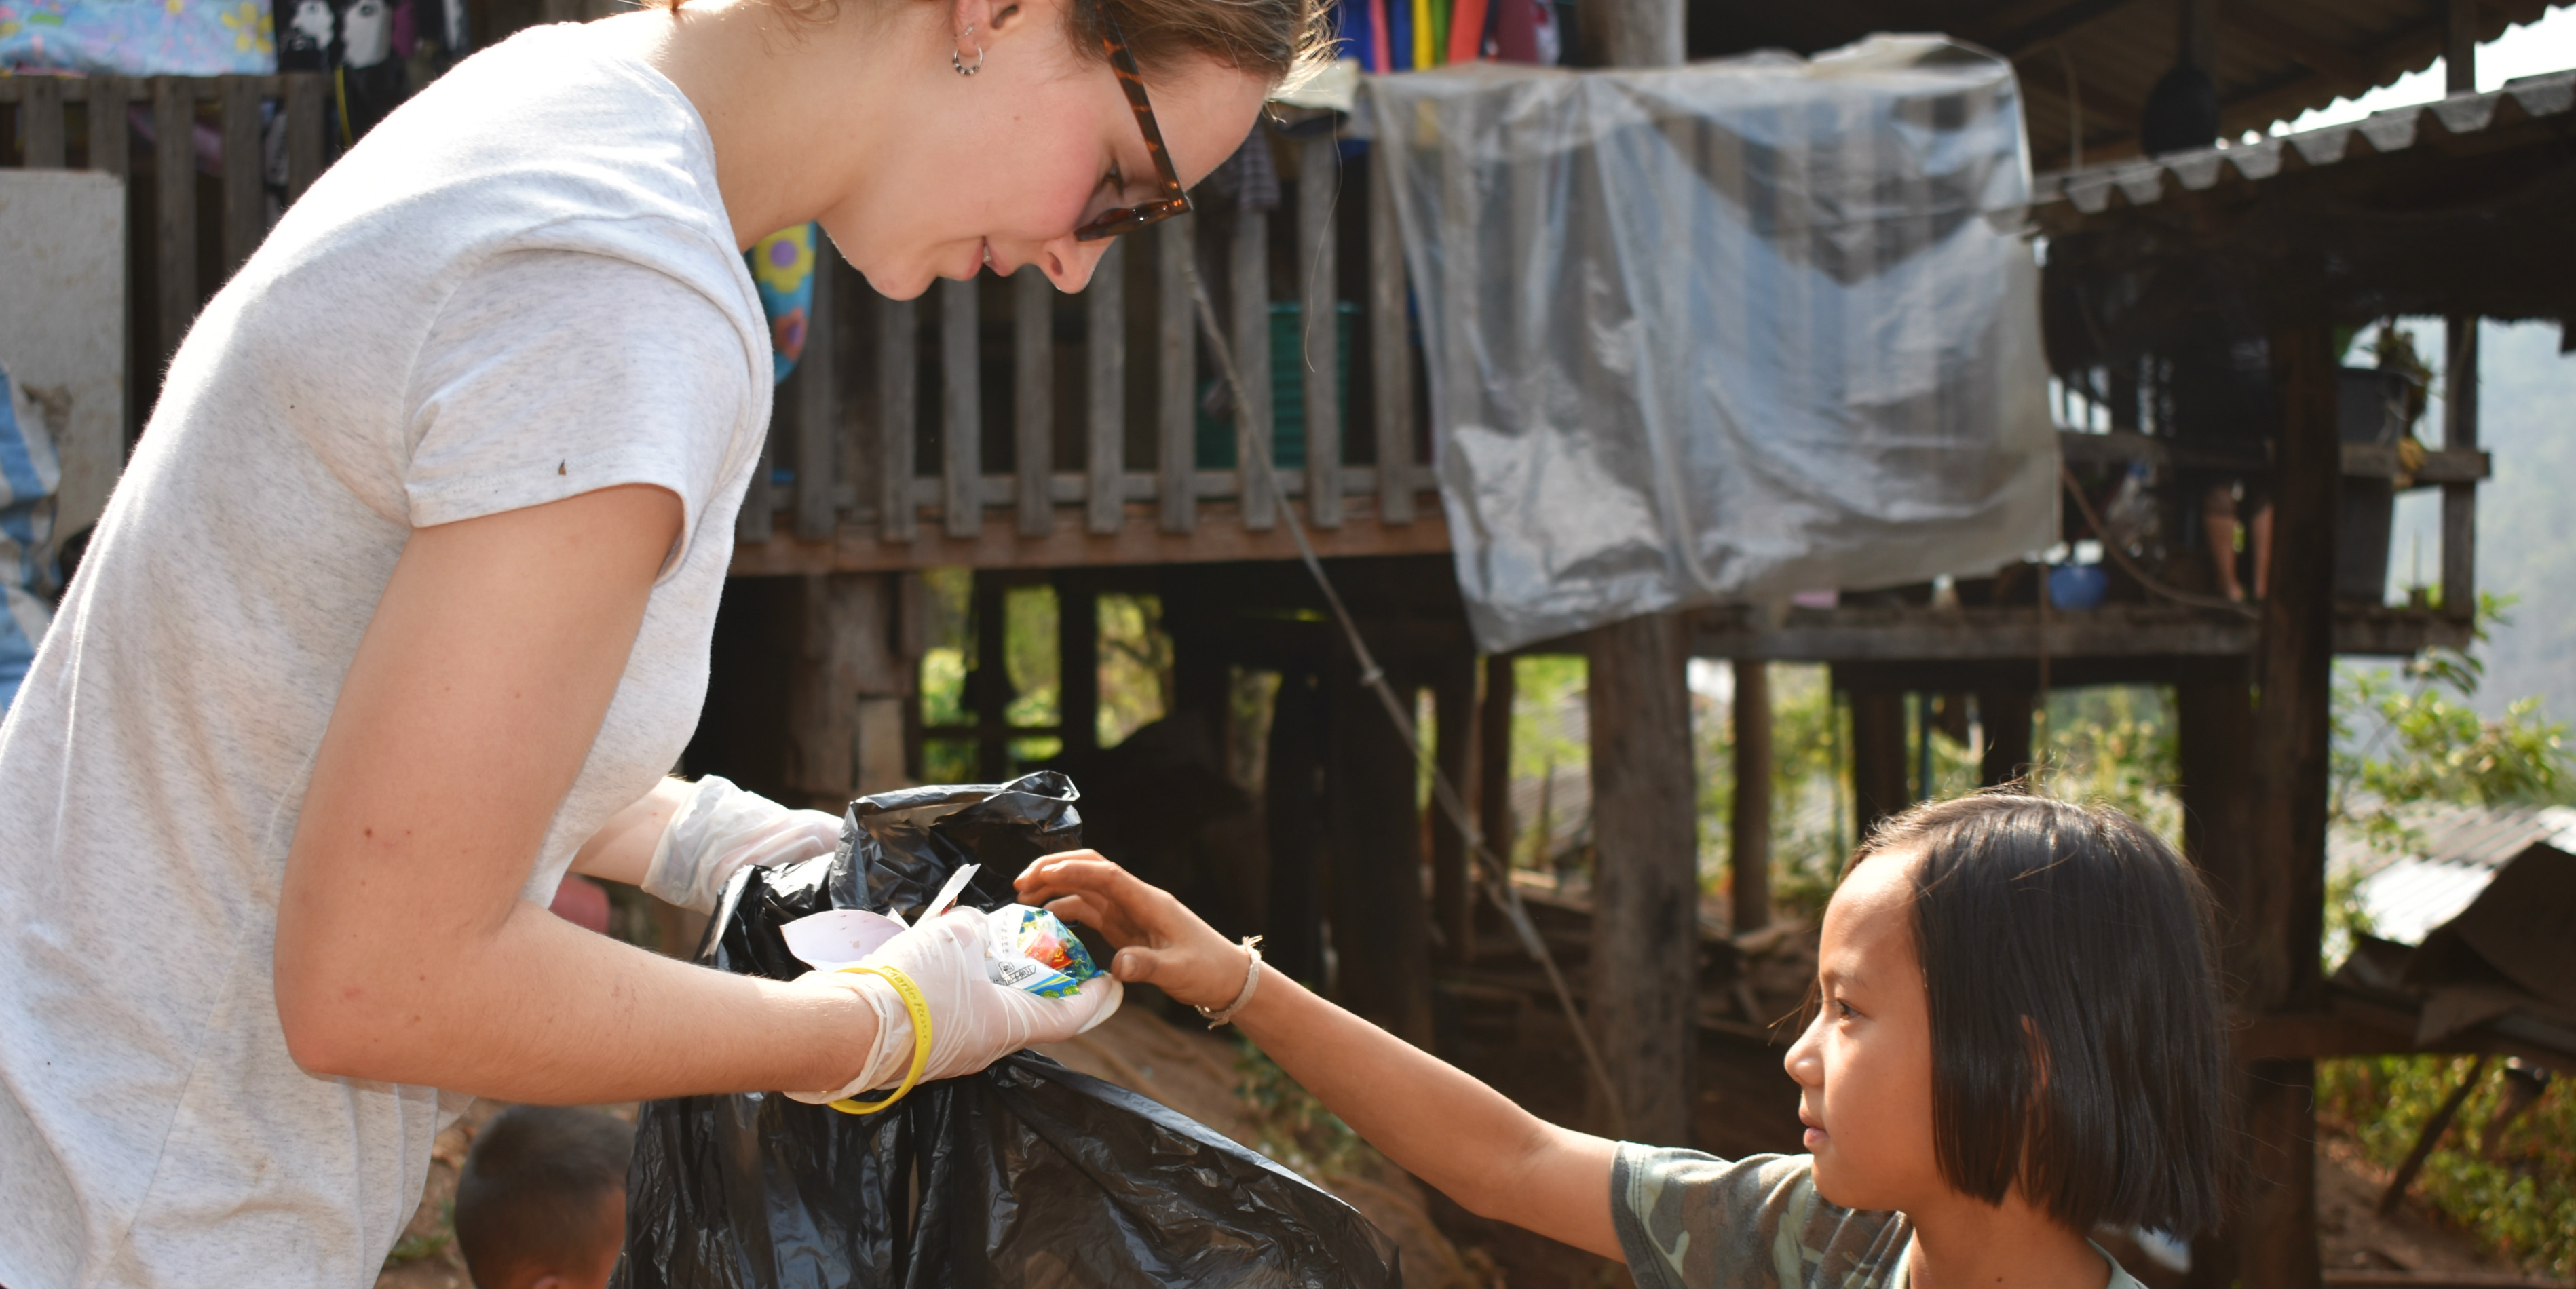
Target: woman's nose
<point>1068,262</point>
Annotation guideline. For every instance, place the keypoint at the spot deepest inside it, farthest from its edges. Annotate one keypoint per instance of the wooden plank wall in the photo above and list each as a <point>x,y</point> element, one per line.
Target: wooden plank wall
<point>170,275</point>
<point>896,464</point>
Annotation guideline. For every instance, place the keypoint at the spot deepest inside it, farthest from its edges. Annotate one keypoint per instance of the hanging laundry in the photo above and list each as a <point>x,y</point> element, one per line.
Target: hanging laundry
<point>782,268</point>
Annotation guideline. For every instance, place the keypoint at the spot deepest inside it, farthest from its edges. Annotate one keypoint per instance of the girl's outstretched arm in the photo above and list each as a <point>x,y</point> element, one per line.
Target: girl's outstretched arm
<point>1432,1119</point>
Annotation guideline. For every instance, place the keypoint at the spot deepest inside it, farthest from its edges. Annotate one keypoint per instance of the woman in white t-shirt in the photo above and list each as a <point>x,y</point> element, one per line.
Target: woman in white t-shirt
<point>402,609</point>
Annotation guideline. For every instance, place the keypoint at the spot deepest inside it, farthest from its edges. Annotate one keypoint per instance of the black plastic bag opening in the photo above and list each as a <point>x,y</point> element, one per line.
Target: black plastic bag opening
<point>1026,1174</point>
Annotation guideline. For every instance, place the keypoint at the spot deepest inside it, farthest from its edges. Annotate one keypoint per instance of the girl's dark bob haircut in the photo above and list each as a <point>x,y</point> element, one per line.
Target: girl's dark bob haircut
<point>2078,1042</point>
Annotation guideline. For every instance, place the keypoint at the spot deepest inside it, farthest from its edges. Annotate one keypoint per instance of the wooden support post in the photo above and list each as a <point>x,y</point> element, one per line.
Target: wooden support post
<point>1494,757</point>
<point>1176,376</point>
<point>1253,423</point>
<point>961,362</point>
<point>2460,47</point>
<point>1292,812</point>
<point>1379,917</point>
<point>174,181</point>
<point>1033,398</point>
<point>1390,346</point>
<point>818,405</point>
<point>988,687</point>
<point>1878,758</point>
<point>2003,716</point>
<point>1105,458</point>
<point>1645,890</point>
<point>1077,651</point>
<point>844,689</point>
<point>244,220</point>
<point>2459,500</point>
<point>1643,33</point>
<point>40,117</point>
<point>2283,905</point>
<point>754,522</point>
<point>304,131</point>
<point>898,417</point>
<point>111,140</point>
<point>2214,719</point>
<point>2197,34</point>
<point>1749,832</point>
<point>1319,171</point>
<point>1453,888</point>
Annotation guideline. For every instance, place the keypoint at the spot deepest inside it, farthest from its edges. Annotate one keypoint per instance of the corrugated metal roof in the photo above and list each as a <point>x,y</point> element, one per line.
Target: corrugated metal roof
<point>2138,183</point>
<point>2096,61</point>
<point>2460,848</point>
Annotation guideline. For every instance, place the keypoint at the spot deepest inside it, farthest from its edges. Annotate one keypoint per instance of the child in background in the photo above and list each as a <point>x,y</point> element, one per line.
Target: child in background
<point>2017,1038</point>
<point>542,1200</point>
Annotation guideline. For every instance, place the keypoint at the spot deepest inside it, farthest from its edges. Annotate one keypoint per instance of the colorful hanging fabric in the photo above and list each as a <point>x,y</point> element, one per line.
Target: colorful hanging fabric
<point>1383,36</point>
<point>1425,41</point>
<point>1467,32</point>
<point>782,267</point>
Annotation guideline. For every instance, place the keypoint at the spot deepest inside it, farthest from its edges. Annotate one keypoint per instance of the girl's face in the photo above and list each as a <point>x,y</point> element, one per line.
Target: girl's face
<point>1005,164</point>
<point>1864,1066</point>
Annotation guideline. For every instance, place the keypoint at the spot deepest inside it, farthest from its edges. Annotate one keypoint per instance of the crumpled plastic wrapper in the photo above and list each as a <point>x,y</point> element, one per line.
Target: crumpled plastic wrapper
<point>1725,332</point>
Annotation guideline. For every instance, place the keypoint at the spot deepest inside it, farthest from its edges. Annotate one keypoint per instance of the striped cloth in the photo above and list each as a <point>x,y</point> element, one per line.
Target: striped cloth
<point>29,474</point>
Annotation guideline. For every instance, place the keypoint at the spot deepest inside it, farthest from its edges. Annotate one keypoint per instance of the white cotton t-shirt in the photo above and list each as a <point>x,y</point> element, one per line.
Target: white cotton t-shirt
<point>520,287</point>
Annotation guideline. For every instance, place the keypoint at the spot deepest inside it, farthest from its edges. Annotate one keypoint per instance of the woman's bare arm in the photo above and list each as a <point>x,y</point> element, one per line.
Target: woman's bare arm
<point>404,952</point>
<point>1432,1119</point>
<point>622,849</point>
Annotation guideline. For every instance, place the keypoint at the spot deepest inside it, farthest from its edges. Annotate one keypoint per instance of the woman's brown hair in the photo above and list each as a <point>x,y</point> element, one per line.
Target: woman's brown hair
<point>1282,41</point>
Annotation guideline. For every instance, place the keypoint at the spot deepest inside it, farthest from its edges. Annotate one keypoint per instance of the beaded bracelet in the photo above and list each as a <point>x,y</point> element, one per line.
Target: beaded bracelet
<point>1251,978</point>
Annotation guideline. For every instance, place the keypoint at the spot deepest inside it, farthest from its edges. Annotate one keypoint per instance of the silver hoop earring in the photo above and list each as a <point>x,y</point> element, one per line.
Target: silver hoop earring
<point>968,36</point>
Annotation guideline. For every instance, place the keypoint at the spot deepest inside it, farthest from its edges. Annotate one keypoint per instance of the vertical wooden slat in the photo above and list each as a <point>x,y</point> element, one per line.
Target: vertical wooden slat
<point>2459,500</point>
<point>243,221</point>
<point>1390,347</point>
<point>111,140</point>
<point>174,177</point>
<point>898,417</point>
<point>818,404</point>
<point>756,521</point>
<point>960,369</point>
<point>40,114</point>
<point>1106,461</point>
<point>1177,368</point>
<point>304,131</point>
<point>1033,397</point>
<point>1254,426</point>
<point>1319,173</point>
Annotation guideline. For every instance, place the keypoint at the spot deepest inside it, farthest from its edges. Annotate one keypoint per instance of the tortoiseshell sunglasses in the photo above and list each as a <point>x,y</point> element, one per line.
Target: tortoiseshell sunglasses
<point>1127,219</point>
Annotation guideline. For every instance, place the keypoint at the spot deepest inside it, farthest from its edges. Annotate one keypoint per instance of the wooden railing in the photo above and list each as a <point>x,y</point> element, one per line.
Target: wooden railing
<point>1106,436</point>
<point>185,238</point>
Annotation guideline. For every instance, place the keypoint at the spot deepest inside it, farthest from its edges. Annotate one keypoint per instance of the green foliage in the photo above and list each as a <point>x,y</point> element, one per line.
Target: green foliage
<point>1542,686</point>
<point>1295,1128</point>
<point>1135,666</point>
<point>2116,745</point>
<point>2517,1197</point>
<point>2409,736</point>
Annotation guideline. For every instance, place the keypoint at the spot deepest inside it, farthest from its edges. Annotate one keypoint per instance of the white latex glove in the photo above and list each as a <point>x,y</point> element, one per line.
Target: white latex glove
<point>718,829</point>
<point>973,1022</point>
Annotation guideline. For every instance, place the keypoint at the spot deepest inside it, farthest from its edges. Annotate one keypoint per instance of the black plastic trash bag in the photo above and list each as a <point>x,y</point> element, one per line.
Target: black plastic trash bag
<point>1027,1174</point>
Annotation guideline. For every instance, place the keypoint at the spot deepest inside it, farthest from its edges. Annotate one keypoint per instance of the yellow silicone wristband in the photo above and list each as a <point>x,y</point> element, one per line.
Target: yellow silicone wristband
<point>911,995</point>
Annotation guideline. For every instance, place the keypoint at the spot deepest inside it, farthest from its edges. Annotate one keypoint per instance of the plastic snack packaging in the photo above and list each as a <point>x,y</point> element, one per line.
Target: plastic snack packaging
<point>1023,1174</point>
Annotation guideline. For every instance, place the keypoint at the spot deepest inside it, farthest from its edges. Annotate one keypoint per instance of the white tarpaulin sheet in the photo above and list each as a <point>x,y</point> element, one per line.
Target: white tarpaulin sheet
<point>1720,333</point>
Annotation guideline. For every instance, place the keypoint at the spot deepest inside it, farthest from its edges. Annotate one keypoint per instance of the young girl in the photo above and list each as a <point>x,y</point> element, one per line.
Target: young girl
<point>2017,1038</point>
<point>402,608</point>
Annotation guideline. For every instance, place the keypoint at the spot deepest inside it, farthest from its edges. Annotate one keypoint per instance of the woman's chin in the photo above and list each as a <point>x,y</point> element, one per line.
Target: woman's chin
<point>906,283</point>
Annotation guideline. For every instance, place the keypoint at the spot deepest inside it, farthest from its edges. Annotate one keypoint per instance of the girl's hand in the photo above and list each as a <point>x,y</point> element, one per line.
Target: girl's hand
<point>1160,942</point>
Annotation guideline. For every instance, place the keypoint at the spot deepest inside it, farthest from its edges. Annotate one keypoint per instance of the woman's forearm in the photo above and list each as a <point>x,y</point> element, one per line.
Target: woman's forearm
<point>543,1011</point>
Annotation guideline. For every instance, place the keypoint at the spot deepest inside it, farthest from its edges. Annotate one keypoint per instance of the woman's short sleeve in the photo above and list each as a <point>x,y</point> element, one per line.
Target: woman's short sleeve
<point>549,374</point>
<point>1693,1221</point>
